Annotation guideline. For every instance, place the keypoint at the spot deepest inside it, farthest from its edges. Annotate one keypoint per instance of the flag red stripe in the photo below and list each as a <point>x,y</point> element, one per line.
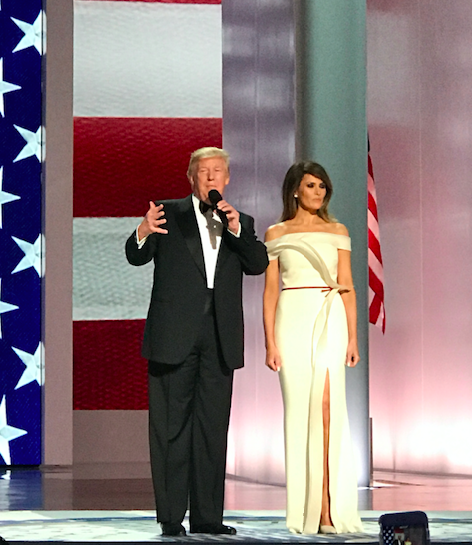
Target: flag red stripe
<point>374,245</point>
<point>373,206</point>
<point>375,284</point>
<point>370,168</point>
<point>109,373</point>
<point>374,309</point>
<point>122,163</point>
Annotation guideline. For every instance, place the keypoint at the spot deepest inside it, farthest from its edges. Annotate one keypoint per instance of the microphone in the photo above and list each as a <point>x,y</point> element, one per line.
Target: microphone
<point>215,198</point>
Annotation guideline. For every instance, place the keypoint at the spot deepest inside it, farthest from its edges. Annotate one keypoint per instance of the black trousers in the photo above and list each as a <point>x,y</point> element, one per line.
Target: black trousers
<point>189,407</point>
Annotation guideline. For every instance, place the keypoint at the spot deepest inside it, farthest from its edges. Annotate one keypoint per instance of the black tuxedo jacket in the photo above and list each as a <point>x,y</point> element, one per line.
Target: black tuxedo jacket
<point>180,287</point>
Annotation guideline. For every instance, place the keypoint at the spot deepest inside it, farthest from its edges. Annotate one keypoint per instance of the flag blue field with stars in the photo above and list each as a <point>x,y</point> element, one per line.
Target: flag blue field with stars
<point>21,269</point>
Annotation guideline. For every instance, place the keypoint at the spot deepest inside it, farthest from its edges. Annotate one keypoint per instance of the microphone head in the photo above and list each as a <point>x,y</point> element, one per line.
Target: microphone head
<point>214,196</point>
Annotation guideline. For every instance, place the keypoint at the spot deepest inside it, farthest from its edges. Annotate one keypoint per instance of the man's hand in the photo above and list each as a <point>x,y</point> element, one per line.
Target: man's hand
<point>232,214</point>
<point>152,221</point>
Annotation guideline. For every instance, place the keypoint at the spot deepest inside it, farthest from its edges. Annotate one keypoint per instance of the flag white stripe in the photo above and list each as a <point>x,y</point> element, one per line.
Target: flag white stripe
<point>371,186</point>
<point>373,224</point>
<point>380,318</point>
<point>146,59</point>
<point>106,286</point>
<point>371,295</point>
<point>379,321</point>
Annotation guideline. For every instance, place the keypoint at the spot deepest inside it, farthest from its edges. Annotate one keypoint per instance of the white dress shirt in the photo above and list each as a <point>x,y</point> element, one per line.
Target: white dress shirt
<point>211,229</point>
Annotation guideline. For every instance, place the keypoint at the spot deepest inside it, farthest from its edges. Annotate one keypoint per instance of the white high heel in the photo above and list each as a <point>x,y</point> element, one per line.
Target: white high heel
<point>327,529</point>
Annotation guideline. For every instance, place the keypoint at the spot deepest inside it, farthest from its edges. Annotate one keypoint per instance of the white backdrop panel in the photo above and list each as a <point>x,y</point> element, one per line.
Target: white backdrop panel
<point>106,287</point>
<point>138,67</point>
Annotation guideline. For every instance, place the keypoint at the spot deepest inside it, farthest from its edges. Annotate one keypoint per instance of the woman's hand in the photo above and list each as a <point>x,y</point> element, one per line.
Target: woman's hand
<point>352,354</point>
<point>273,360</point>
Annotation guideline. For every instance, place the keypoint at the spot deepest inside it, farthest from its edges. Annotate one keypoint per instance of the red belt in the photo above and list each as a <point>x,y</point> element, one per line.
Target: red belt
<point>322,288</point>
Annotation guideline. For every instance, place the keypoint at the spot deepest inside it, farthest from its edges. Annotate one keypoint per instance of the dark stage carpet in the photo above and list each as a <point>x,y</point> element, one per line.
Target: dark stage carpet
<point>252,526</point>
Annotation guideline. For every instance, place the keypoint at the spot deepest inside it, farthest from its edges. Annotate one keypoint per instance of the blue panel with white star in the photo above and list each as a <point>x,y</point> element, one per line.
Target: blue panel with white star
<point>21,156</point>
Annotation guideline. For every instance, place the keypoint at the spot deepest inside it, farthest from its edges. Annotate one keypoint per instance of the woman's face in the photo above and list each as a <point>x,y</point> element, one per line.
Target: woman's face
<point>311,192</point>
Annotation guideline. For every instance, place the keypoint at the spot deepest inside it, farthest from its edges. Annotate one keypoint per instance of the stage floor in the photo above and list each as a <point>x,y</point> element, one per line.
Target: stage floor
<point>252,526</point>
<point>114,504</point>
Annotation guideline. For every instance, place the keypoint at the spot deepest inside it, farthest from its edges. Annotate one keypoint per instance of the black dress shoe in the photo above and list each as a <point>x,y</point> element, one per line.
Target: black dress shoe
<point>214,528</point>
<point>174,529</point>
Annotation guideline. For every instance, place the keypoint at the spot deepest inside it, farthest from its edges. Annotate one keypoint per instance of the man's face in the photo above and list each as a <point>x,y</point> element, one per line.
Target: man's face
<point>210,173</point>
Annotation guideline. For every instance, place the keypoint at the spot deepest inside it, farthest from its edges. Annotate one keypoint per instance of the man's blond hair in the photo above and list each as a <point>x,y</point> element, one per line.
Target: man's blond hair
<point>205,153</point>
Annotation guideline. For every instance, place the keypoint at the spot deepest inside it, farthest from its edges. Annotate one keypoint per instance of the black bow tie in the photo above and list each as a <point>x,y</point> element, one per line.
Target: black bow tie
<point>204,207</point>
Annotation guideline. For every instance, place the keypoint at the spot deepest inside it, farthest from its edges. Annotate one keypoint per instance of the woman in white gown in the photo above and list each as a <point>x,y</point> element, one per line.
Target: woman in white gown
<point>311,334</point>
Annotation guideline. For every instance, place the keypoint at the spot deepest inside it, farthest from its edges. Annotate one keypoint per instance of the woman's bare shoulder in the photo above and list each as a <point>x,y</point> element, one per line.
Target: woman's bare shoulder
<point>275,231</point>
<point>339,229</point>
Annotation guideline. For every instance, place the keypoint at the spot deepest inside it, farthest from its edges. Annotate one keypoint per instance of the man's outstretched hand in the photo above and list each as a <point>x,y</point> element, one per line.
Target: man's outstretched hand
<point>153,221</point>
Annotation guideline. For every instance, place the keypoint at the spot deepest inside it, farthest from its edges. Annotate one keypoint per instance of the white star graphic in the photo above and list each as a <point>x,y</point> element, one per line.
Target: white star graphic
<point>4,196</point>
<point>4,307</point>
<point>5,88</point>
<point>32,257</point>
<point>34,366</point>
<point>7,433</point>
<point>33,36</point>
<point>34,144</point>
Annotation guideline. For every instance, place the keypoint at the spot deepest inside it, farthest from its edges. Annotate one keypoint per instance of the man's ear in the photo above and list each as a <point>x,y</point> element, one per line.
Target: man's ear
<point>192,183</point>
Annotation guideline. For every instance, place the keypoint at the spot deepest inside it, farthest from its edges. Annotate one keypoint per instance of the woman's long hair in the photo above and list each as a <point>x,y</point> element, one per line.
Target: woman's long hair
<point>292,182</point>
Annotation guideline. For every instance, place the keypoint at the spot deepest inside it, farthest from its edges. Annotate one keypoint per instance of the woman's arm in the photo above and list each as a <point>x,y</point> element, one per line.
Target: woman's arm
<point>349,300</point>
<point>271,296</point>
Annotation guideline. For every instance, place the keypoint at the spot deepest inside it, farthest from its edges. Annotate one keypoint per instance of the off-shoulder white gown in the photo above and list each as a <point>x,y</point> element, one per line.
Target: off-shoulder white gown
<point>312,336</point>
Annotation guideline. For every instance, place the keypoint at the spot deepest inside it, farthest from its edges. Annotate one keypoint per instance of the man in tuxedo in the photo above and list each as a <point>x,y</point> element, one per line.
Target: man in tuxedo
<point>193,340</point>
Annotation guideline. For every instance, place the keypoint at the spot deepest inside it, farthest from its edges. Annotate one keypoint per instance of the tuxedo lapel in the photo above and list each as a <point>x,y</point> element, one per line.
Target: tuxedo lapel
<point>187,222</point>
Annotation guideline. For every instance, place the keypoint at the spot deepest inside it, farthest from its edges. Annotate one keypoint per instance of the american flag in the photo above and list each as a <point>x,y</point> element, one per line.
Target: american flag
<point>147,92</point>
<point>376,282</point>
<point>21,32</point>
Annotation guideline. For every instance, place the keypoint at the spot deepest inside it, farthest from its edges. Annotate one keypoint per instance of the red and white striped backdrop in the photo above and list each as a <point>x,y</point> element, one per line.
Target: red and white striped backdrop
<point>147,92</point>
